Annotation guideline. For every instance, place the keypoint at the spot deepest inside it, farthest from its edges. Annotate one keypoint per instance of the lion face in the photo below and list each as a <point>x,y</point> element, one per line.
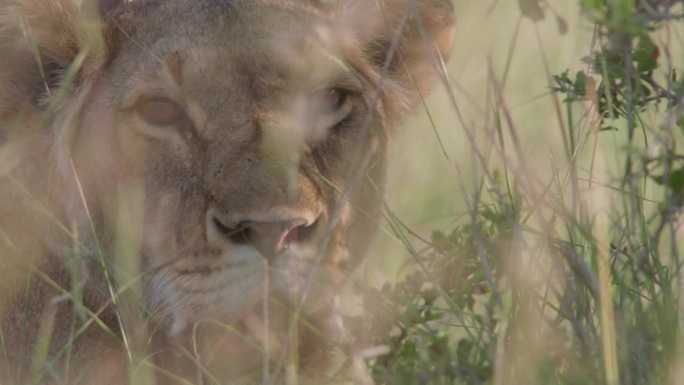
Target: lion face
<point>258,161</point>
<point>235,151</point>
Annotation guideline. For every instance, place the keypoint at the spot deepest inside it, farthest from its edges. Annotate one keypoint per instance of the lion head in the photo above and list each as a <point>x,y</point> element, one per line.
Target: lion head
<point>217,165</point>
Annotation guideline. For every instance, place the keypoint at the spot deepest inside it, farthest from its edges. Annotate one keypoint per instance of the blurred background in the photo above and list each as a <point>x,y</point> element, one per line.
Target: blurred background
<point>493,38</point>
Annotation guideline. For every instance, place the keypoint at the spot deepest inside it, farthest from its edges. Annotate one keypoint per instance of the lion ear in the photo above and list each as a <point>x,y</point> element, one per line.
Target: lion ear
<point>45,42</point>
<point>411,39</point>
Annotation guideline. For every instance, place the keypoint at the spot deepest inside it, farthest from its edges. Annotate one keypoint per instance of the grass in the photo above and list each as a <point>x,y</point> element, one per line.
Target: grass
<point>532,226</point>
<point>556,258</point>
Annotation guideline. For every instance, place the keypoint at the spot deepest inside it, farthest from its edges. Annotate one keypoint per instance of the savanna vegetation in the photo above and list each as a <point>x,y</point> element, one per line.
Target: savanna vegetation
<point>533,232</point>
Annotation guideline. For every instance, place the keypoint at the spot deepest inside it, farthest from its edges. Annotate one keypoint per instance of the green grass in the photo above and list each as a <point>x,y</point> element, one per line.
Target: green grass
<point>527,238</point>
<point>556,252</point>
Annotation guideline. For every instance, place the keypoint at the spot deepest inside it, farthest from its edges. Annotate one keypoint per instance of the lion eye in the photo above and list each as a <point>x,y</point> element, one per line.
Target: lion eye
<point>332,100</point>
<point>158,111</point>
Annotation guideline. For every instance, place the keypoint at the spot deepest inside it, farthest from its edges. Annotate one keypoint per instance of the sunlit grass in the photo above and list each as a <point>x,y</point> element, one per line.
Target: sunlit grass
<point>520,245</point>
<point>578,250</point>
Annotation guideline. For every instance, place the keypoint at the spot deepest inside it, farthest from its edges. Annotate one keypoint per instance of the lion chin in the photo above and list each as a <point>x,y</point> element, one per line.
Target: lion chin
<point>186,186</point>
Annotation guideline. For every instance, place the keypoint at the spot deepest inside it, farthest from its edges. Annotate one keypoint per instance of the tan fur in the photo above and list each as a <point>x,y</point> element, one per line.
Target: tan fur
<point>175,172</point>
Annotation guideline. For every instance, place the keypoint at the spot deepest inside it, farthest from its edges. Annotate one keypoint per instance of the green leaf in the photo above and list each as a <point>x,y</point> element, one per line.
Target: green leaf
<point>680,123</point>
<point>646,54</point>
<point>595,8</point>
<point>434,315</point>
<point>531,9</point>
<point>562,25</point>
<point>621,10</point>
<point>463,350</point>
<point>675,180</point>
<point>580,81</point>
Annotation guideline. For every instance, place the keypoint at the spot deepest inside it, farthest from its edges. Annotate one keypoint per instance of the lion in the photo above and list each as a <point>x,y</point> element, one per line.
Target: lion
<point>187,185</point>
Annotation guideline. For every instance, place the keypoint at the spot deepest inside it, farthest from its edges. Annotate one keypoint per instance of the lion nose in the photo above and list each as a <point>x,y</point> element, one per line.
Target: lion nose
<point>270,238</point>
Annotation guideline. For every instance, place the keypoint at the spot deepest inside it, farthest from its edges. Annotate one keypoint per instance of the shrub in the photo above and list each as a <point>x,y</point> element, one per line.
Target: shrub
<point>571,277</point>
